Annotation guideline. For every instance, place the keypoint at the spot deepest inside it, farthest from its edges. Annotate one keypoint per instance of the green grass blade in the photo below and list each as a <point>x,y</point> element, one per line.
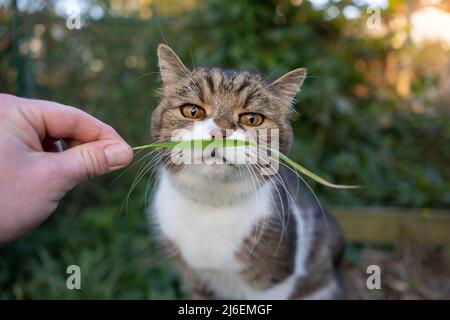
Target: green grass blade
<point>203,143</point>
<point>196,143</point>
<point>313,176</point>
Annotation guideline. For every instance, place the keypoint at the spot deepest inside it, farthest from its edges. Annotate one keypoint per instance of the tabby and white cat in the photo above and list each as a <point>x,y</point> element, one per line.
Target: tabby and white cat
<point>234,233</point>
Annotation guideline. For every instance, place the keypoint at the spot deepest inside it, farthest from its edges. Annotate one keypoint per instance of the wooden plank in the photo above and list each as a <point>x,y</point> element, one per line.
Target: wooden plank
<point>388,226</point>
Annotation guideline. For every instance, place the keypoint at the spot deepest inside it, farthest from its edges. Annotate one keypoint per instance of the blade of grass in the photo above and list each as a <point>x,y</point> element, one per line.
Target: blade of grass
<point>203,143</point>
<point>313,176</point>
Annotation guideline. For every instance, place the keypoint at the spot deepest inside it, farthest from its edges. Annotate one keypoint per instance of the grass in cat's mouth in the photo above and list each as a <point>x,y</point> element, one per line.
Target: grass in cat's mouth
<point>203,143</point>
<point>197,143</point>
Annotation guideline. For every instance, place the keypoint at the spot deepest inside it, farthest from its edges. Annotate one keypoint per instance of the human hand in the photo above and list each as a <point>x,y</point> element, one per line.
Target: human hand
<point>34,171</point>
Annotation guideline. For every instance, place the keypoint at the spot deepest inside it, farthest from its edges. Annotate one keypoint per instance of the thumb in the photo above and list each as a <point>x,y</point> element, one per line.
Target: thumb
<point>93,159</point>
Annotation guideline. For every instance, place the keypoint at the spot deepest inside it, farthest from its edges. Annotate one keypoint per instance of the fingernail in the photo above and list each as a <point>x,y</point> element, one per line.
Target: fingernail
<point>117,155</point>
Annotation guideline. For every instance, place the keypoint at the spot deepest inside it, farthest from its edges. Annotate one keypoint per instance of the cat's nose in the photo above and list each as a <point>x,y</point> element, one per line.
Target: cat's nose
<point>217,133</point>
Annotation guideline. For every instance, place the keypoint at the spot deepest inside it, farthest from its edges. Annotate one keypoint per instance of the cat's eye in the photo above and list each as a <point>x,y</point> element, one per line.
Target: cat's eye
<point>192,111</point>
<point>251,119</point>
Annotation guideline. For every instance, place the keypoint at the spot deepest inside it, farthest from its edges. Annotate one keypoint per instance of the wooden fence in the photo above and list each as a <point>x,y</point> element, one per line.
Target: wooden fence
<point>388,226</point>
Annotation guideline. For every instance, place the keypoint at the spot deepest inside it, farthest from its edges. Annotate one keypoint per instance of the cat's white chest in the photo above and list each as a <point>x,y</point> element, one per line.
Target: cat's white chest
<point>207,236</point>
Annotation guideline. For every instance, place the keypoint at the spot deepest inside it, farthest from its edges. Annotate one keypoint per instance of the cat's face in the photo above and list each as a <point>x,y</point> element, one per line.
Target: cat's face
<point>208,103</point>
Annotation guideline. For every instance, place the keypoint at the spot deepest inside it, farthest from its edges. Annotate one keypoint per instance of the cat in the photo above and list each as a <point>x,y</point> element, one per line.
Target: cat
<point>233,232</point>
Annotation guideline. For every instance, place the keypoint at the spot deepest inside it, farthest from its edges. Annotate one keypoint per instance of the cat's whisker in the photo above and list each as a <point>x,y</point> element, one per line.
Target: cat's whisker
<point>146,155</point>
<point>280,180</point>
<point>283,215</point>
<point>125,202</point>
<point>165,162</point>
<point>149,181</point>
<point>145,75</point>
<point>298,175</point>
<point>141,173</point>
<point>256,237</point>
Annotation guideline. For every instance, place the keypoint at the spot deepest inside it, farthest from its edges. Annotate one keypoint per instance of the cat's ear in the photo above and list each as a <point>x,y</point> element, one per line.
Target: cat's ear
<point>171,68</point>
<point>289,84</point>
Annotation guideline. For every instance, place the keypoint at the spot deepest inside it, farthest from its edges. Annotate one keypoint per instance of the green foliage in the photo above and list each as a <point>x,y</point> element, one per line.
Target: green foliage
<point>116,255</point>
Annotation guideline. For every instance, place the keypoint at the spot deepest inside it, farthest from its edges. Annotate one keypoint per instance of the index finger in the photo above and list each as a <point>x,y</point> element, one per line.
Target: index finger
<point>64,122</point>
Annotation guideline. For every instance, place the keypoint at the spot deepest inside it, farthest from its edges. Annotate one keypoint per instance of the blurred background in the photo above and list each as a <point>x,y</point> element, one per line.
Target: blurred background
<point>373,111</point>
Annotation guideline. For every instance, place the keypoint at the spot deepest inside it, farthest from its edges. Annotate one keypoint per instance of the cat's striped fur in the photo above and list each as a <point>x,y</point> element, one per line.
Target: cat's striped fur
<point>232,232</point>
